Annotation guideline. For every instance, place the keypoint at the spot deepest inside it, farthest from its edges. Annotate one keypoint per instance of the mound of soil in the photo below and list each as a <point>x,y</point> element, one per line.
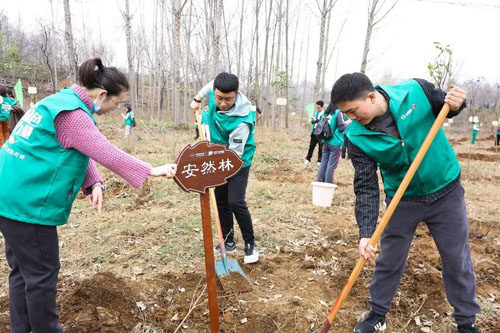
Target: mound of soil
<point>103,303</point>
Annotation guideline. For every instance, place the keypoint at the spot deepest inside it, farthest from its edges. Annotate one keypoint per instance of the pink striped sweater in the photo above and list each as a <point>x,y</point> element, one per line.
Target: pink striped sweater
<point>76,130</point>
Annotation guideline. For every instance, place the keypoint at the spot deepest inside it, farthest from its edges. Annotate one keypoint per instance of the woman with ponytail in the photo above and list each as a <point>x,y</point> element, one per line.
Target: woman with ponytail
<point>49,156</point>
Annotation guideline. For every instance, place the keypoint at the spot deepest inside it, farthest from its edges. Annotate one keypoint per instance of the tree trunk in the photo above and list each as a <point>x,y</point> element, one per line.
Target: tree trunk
<point>305,76</point>
<point>319,62</point>
<point>287,107</point>
<point>325,52</point>
<point>368,36</point>
<point>240,40</point>
<point>372,22</point>
<point>54,56</point>
<point>186,67</point>
<point>324,12</point>
<point>70,46</point>
<point>176,56</point>
<point>130,58</point>
<point>256,76</point>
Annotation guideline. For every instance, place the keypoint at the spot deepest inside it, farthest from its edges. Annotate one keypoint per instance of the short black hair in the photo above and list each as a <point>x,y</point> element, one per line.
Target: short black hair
<point>320,103</point>
<point>350,87</point>
<point>226,82</point>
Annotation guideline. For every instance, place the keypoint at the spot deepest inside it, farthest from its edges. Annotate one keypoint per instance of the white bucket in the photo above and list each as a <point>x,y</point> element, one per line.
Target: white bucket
<point>323,194</point>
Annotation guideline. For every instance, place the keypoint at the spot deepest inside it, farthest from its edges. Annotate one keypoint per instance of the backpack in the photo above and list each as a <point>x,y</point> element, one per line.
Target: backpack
<point>133,122</point>
<point>322,129</point>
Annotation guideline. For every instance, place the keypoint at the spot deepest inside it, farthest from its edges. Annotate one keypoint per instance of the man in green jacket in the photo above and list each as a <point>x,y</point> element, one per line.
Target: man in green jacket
<point>231,122</point>
<point>389,125</point>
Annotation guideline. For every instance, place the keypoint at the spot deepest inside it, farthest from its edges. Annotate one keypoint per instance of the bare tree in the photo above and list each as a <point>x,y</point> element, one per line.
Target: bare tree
<point>53,46</point>
<point>127,18</point>
<point>44,44</point>
<point>177,7</point>
<point>324,9</point>
<point>185,65</point>
<point>287,107</point>
<point>374,17</point>
<point>240,39</point>
<point>70,46</point>
<point>214,28</point>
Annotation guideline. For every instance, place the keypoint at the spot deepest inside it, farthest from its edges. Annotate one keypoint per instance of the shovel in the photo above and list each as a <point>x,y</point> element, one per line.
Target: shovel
<point>388,214</point>
<point>224,266</point>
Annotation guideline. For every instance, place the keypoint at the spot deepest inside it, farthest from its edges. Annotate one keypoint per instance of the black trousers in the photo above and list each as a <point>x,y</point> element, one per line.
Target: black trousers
<point>312,144</point>
<point>231,200</point>
<point>498,139</point>
<point>32,252</point>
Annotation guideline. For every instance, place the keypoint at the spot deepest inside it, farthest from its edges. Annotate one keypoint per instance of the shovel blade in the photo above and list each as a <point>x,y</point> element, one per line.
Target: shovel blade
<point>224,267</point>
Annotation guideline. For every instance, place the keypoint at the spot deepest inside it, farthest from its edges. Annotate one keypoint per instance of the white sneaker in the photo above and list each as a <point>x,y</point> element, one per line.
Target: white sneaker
<point>230,248</point>
<point>319,163</point>
<point>251,253</point>
<point>307,162</point>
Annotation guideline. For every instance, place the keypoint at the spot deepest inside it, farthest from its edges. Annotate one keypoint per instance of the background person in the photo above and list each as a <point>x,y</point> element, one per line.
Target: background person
<point>475,130</point>
<point>5,109</point>
<point>129,119</point>
<point>313,140</point>
<point>332,146</point>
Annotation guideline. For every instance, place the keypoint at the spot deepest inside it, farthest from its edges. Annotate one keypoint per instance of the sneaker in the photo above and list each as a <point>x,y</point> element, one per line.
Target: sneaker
<point>371,324</point>
<point>251,253</point>
<point>468,328</point>
<point>319,163</point>
<point>230,248</point>
<point>307,162</point>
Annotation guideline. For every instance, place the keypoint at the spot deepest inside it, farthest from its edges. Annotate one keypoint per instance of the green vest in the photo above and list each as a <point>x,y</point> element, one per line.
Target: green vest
<point>413,115</point>
<point>5,108</point>
<point>221,125</point>
<point>338,137</point>
<point>40,179</point>
<point>128,120</point>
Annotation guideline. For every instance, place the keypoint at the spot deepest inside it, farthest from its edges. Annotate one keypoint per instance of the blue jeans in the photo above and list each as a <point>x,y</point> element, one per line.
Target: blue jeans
<point>329,160</point>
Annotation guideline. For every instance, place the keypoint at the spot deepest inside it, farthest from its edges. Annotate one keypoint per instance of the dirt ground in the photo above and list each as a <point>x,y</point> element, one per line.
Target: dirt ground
<point>140,267</point>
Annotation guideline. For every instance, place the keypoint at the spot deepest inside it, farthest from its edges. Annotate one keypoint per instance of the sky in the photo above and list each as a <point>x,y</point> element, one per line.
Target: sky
<point>402,46</point>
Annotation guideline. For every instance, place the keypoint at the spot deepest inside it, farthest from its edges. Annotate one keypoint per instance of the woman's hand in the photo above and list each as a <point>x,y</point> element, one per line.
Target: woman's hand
<point>96,197</point>
<point>167,170</point>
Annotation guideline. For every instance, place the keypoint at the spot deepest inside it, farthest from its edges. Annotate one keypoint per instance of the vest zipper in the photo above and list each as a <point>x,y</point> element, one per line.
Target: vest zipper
<point>417,174</point>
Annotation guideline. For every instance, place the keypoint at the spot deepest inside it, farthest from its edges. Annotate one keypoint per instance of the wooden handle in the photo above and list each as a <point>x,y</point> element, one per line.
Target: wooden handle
<point>209,263</point>
<point>211,191</point>
<point>388,214</point>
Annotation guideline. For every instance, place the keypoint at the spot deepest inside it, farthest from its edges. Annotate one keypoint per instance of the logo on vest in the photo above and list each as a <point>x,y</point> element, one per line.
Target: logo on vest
<point>413,107</point>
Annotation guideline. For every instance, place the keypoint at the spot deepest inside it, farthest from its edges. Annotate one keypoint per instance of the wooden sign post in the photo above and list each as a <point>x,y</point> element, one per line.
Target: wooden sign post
<point>200,167</point>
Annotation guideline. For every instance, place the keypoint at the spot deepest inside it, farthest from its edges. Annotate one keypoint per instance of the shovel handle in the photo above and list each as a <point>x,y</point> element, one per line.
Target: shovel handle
<point>211,192</point>
<point>388,214</point>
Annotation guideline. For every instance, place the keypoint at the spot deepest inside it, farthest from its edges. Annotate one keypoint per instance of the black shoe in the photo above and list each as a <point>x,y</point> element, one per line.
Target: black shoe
<point>468,328</point>
<point>371,324</point>
<point>230,248</point>
<point>251,253</point>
